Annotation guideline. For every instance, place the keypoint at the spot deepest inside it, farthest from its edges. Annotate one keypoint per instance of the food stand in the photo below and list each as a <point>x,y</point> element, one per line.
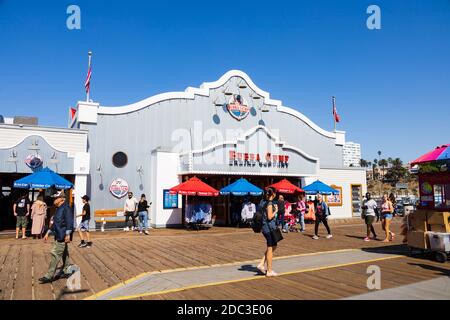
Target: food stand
<point>428,227</point>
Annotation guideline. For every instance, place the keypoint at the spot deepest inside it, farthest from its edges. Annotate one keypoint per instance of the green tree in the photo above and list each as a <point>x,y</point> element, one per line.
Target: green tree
<point>383,164</point>
<point>397,172</point>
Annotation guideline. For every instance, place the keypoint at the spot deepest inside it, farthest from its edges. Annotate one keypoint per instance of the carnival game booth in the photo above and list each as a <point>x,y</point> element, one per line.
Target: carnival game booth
<point>244,209</point>
<point>428,228</point>
<point>197,210</point>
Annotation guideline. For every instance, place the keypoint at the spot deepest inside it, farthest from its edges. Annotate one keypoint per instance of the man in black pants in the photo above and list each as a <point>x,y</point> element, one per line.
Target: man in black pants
<point>321,209</point>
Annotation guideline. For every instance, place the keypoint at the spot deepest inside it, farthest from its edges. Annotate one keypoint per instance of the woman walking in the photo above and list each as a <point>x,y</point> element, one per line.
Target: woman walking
<point>38,215</point>
<point>269,230</point>
<point>387,211</point>
<point>143,215</point>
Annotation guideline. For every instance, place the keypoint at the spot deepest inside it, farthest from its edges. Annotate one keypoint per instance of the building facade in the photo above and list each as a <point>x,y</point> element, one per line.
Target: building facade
<point>25,148</point>
<point>219,132</point>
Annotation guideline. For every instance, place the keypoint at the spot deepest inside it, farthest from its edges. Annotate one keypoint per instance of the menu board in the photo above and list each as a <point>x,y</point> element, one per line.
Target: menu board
<point>170,200</point>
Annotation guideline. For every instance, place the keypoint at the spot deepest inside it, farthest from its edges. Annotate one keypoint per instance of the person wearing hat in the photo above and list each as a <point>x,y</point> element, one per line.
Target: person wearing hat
<point>62,228</point>
<point>83,227</point>
<point>369,214</point>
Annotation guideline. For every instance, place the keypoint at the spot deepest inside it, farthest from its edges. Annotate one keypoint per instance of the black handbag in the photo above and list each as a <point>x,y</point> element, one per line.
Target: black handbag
<point>276,235</point>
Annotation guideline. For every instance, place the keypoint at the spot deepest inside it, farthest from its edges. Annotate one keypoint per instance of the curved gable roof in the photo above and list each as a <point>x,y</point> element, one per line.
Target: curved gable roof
<point>204,90</point>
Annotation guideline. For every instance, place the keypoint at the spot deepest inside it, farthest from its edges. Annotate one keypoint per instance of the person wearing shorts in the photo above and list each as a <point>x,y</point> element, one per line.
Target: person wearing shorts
<point>370,208</point>
<point>83,227</point>
<point>21,211</point>
<point>269,224</point>
<point>387,211</point>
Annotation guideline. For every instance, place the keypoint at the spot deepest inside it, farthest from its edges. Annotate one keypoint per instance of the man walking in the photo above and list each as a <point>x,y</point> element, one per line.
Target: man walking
<point>130,210</point>
<point>62,228</point>
<point>370,212</point>
<point>84,224</point>
<point>21,211</point>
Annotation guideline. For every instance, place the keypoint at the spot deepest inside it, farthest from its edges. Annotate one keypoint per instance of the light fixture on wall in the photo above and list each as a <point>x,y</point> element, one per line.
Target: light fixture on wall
<point>242,84</point>
<point>218,103</point>
<point>265,108</point>
<point>255,96</point>
<point>140,170</point>
<point>227,92</point>
<point>99,170</point>
<point>34,145</point>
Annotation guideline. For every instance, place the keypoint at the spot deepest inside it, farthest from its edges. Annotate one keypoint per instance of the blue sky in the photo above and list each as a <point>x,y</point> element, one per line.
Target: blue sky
<point>392,85</point>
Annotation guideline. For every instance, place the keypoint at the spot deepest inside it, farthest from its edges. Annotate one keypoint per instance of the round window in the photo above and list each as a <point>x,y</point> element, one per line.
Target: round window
<point>119,159</point>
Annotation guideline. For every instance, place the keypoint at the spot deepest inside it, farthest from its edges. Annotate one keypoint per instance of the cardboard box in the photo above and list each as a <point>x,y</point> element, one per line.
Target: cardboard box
<point>417,221</point>
<point>438,218</point>
<point>438,228</point>
<point>418,239</point>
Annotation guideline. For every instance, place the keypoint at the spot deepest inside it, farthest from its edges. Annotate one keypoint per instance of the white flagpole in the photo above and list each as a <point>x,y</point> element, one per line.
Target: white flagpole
<point>89,70</point>
<point>334,111</point>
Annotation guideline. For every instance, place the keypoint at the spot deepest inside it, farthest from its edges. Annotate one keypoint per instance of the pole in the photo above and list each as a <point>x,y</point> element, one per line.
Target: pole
<point>334,115</point>
<point>89,70</point>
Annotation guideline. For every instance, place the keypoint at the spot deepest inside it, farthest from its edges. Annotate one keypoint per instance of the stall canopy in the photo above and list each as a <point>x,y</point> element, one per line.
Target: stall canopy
<point>319,187</point>
<point>438,154</point>
<point>195,187</point>
<point>43,179</point>
<point>284,186</point>
<point>241,188</point>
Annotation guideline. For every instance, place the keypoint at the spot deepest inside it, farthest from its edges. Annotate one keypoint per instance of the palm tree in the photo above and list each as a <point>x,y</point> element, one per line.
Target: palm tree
<point>383,164</point>
<point>363,163</point>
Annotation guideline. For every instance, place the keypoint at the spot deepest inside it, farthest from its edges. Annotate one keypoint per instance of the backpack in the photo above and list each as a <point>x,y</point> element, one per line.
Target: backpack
<point>258,217</point>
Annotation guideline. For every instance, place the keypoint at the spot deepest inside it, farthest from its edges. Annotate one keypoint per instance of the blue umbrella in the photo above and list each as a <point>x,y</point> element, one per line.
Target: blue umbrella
<point>43,179</point>
<point>241,188</point>
<point>319,187</point>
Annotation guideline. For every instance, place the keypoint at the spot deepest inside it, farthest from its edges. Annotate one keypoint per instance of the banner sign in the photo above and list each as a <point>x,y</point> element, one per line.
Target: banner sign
<point>119,188</point>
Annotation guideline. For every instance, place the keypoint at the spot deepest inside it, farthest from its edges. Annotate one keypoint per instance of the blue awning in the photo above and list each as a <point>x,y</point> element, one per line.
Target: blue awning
<point>319,187</point>
<point>241,188</point>
<point>43,179</point>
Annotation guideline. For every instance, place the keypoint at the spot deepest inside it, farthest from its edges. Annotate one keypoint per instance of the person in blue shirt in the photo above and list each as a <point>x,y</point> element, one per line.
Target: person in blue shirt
<point>62,228</point>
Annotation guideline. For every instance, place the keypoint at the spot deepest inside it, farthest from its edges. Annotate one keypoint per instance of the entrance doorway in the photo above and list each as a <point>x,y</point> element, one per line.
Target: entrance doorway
<point>356,200</point>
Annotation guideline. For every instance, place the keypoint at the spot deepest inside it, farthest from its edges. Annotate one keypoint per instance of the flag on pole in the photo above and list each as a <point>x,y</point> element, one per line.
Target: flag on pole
<point>73,112</point>
<point>87,84</point>
<point>337,118</point>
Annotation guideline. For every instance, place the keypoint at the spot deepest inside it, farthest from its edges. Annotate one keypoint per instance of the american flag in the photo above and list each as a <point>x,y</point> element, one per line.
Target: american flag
<point>337,118</point>
<point>87,84</point>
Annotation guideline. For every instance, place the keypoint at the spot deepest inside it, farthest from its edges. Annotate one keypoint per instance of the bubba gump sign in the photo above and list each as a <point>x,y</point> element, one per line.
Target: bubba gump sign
<point>255,159</point>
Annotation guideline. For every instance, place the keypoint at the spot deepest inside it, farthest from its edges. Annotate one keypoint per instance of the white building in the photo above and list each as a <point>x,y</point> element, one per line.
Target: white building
<point>352,154</point>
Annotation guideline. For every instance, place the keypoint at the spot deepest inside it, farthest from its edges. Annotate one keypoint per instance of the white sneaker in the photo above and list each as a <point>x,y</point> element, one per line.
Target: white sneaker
<point>126,229</point>
<point>329,236</point>
<point>315,238</point>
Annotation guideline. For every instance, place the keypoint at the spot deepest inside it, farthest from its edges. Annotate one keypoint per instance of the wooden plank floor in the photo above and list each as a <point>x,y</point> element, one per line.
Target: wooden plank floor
<point>324,284</point>
<point>118,256</point>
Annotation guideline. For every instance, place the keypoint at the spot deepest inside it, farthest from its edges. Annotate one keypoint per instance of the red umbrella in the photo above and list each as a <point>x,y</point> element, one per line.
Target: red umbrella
<point>284,186</point>
<point>195,187</point>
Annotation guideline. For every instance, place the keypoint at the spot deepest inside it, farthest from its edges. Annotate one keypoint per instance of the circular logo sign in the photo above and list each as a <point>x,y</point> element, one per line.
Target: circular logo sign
<point>33,161</point>
<point>119,188</point>
<point>426,188</point>
<point>238,107</point>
